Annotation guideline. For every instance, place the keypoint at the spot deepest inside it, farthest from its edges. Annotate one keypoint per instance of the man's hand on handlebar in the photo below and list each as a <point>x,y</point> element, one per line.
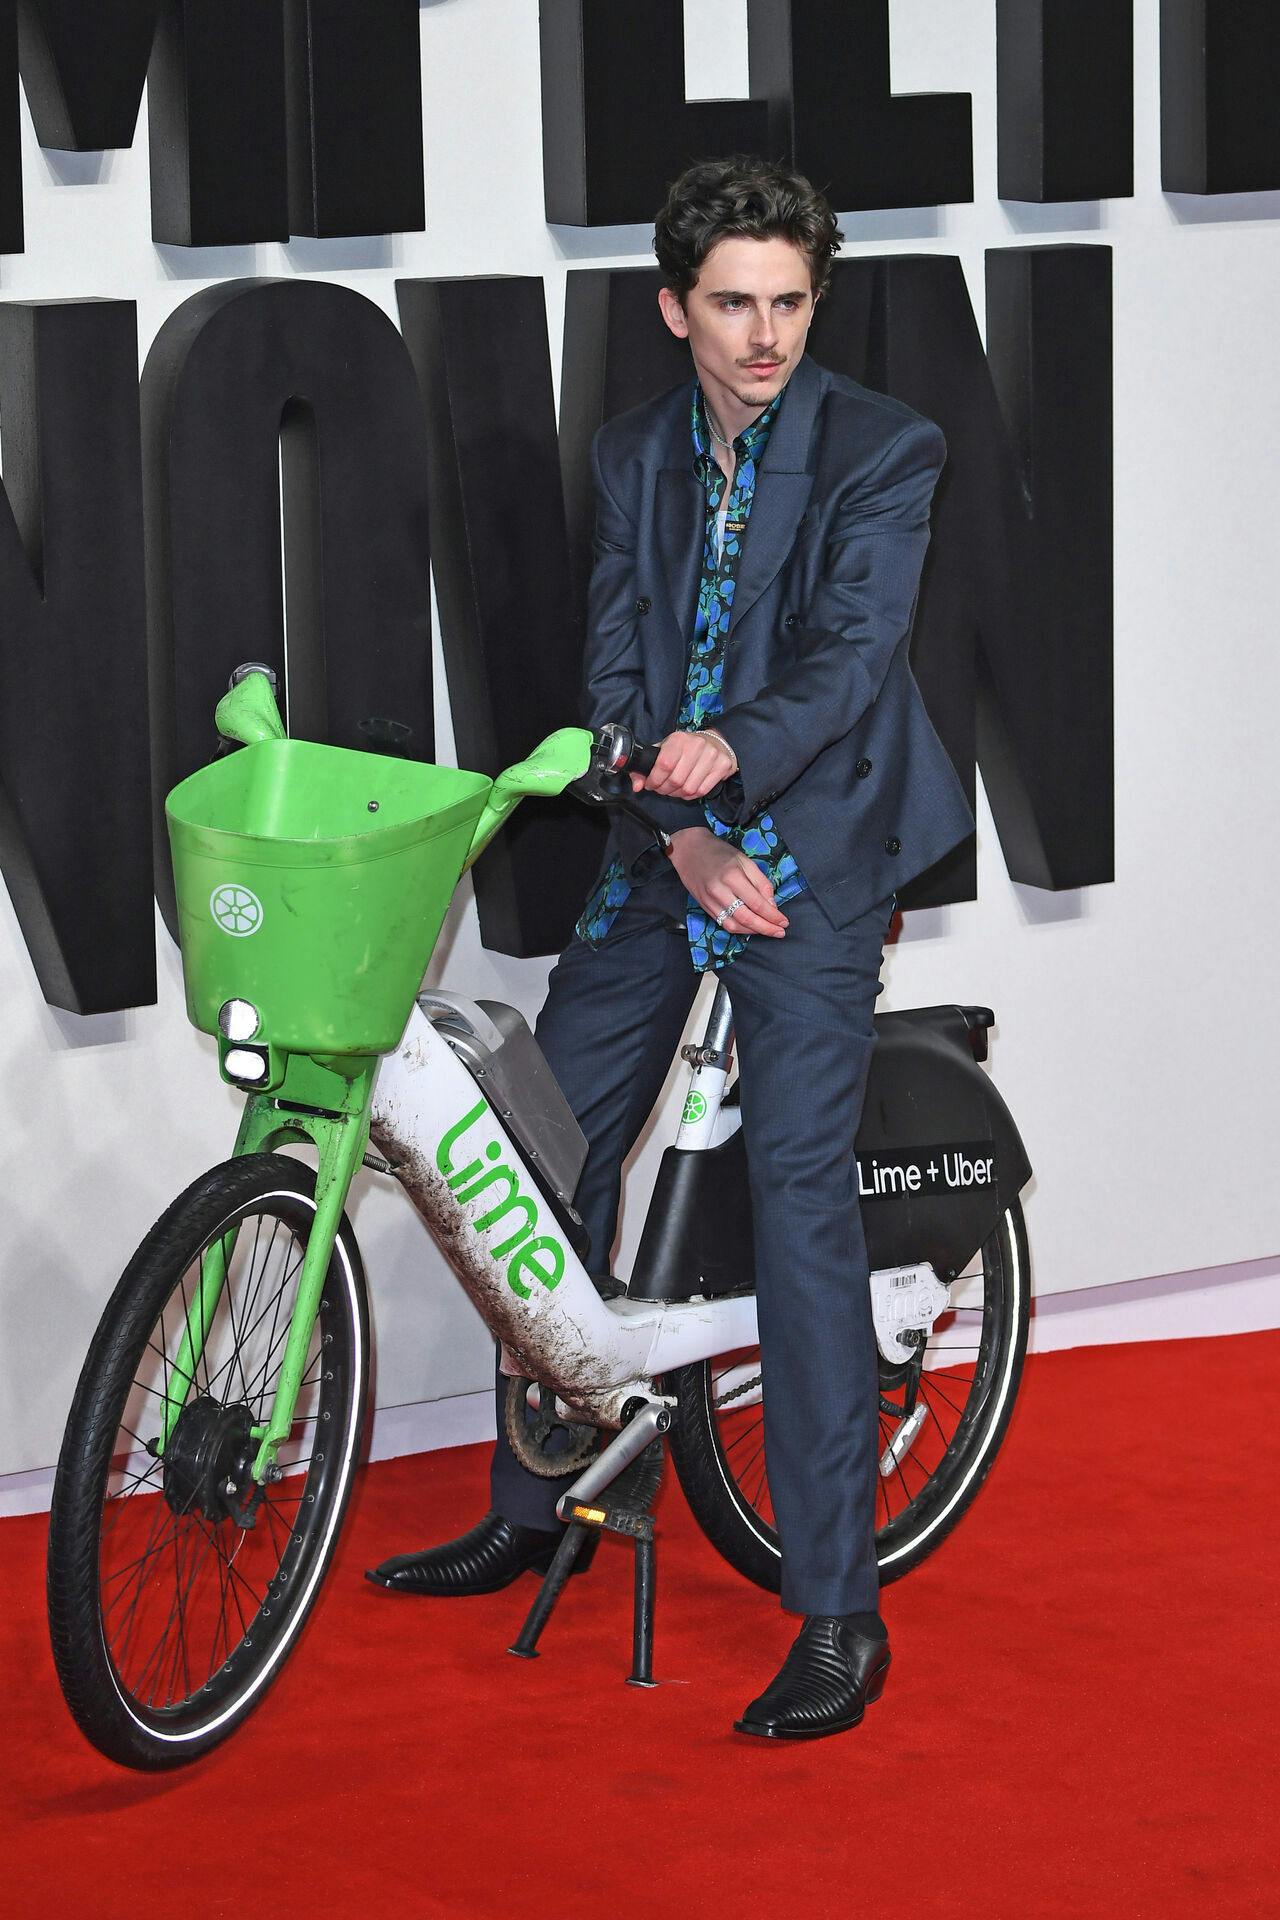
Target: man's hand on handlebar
<point>716,874</point>
<point>688,766</point>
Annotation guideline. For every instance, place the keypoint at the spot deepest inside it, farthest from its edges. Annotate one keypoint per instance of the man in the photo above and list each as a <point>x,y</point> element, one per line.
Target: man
<point>760,532</point>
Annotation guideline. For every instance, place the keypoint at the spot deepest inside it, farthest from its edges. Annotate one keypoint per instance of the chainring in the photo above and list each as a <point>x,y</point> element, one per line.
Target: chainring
<point>530,1433</point>
<point>636,1486</point>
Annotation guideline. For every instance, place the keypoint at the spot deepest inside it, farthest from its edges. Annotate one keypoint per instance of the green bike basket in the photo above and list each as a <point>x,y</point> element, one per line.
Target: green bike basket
<point>312,882</point>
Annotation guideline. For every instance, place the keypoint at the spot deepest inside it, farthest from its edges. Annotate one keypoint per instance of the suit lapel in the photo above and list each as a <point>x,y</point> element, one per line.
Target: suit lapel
<point>783,486</point>
<point>681,524</point>
<point>776,511</point>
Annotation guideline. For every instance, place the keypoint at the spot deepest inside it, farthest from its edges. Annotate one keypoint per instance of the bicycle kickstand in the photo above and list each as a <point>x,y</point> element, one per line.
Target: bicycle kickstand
<point>584,1520</point>
<point>587,1511</point>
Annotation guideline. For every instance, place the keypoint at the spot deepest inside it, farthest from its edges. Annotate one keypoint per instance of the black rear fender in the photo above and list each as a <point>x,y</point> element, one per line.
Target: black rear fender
<point>939,1160</point>
<point>939,1157</point>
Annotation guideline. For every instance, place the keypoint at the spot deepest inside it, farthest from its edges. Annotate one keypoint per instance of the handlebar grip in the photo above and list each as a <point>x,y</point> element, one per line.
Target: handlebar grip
<point>617,751</point>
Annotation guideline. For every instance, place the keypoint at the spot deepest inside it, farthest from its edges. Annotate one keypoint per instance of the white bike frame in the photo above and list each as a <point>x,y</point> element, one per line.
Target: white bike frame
<point>472,1186</point>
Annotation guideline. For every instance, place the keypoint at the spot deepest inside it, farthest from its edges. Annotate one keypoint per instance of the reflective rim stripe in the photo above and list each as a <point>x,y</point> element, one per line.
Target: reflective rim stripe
<point>1002,1393</point>
<point>321,1559</point>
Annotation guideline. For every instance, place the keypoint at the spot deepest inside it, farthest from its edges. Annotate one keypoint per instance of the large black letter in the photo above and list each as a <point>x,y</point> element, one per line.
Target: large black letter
<point>266,116</point>
<point>1021,558</point>
<point>823,66</point>
<point>215,107</point>
<point>354,78</point>
<point>1065,91</point>
<point>246,379</point>
<point>75,825</point>
<point>11,235</point>
<point>511,631</point>
<point>616,126</point>
<point>83,65</point>
<point>1219,129</point>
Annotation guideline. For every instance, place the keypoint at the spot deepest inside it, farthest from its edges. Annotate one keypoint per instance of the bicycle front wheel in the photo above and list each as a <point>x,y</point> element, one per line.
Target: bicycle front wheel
<point>931,1465</point>
<point>177,1585</point>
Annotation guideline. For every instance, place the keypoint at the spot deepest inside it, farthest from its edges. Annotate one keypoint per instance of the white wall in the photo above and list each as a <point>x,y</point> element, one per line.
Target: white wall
<point>1136,1040</point>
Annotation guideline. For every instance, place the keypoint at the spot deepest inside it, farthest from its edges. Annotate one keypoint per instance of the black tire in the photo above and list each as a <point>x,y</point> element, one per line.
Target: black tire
<point>227,1570</point>
<point>717,1440</point>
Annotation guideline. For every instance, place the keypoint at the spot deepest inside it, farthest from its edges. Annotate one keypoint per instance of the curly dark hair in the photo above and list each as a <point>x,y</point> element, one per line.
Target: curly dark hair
<point>742,194</point>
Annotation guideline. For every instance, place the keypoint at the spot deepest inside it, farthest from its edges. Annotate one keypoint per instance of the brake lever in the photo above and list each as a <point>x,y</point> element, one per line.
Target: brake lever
<point>614,790</point>
<point>601,786</point>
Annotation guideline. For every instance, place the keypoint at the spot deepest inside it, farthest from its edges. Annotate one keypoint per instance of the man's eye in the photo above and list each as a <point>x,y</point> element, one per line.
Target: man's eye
<point>728,306</point>
<point>790,305</point>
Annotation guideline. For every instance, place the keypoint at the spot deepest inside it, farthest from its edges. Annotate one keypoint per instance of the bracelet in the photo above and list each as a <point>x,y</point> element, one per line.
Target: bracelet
<point>713,733</point>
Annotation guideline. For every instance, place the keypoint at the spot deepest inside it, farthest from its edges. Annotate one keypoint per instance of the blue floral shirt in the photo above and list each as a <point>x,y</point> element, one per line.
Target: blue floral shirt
<point>712,946</point>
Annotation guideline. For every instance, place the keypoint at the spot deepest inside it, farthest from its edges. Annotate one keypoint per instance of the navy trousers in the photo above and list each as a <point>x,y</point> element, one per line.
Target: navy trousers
<point>802,1010</point>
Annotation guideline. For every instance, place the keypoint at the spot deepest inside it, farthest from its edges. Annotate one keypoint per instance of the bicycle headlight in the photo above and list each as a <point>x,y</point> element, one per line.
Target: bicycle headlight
<point>248,1065</point>
<point>238,1020</point>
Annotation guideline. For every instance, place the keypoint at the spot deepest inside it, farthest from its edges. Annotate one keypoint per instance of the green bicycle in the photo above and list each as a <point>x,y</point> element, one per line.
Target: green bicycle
<point>217,1424</point>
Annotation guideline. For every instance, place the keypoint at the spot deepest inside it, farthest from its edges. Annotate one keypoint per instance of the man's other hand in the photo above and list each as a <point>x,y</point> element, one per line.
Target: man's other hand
<point>716,873</point>
<point>688,765</point>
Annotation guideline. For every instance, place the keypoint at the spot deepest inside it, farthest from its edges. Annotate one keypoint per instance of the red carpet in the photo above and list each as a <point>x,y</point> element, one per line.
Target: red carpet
<point>1081,1718</point>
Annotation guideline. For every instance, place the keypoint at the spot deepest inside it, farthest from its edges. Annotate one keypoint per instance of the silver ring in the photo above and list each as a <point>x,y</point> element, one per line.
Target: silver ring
<point>729,911</point>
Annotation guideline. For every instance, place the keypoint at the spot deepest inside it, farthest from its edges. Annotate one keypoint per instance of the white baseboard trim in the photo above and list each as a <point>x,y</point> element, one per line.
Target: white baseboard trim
<point>1219,1300</point>
<point>425,1425</point>
<point>1244,1298</point>
<point>456,1421</point>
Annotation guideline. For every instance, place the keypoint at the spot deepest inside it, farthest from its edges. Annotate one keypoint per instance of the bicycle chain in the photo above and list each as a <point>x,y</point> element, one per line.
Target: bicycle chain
<point>736,1393</point>
<point>748,1386</point>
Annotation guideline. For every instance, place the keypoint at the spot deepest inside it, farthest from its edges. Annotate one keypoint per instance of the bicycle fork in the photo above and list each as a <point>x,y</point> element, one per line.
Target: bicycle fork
<point>329,1110</point>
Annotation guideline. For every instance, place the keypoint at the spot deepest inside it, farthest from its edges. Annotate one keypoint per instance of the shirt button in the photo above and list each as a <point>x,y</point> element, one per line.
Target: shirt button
<point>862,769</point>
<point>643,604</point>
<point>893,845</point>
<point>792,621</point>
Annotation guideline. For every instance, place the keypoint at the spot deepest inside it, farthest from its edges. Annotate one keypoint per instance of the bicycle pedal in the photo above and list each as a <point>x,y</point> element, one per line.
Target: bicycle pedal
<point>624,1520</point>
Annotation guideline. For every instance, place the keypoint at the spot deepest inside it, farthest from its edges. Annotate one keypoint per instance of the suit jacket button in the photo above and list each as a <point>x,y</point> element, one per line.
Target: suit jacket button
<point>643,604</point>
<point>893,845</point>
<point>862,769</point>
<point>792,621</point>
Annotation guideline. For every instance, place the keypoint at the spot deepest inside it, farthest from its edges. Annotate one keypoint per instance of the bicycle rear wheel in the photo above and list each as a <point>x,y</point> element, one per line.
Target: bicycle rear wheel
<point>177,1586</point>
<point>967,1385</point>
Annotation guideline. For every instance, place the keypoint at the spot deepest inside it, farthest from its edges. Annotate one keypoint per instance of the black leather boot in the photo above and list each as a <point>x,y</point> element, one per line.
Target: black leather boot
<point>485,1560</point>
<point>825,1684</point>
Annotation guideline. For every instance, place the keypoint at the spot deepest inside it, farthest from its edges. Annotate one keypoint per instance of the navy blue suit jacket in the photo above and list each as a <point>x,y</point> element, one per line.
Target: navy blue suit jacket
<point>821,706</point>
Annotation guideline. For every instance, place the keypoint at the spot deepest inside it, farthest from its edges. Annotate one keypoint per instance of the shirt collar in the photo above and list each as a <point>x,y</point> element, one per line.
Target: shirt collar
<point>749,444</point>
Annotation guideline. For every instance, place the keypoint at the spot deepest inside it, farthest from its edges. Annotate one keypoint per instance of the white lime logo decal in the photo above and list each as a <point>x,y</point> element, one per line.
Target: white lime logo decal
<point>236,910</point>
<point>694,1108</point>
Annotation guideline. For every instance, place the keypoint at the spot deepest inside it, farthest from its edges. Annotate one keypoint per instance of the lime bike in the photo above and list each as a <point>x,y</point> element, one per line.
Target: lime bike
<point>217,1424</point>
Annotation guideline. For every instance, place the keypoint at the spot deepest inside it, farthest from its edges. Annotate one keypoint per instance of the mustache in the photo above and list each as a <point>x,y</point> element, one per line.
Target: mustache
<point>762,363</point>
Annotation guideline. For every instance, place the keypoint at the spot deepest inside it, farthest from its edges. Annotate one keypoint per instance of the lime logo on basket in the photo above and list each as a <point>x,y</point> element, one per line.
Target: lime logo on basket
<point>694,1108</point>
<point>236,910</point>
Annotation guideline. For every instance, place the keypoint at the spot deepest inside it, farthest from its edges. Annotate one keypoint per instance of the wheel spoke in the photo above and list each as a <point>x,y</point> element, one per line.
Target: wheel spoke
<point>953,1393</point>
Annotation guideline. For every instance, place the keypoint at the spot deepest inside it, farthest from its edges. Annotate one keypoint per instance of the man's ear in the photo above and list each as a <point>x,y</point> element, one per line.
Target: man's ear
<point>672,310</point>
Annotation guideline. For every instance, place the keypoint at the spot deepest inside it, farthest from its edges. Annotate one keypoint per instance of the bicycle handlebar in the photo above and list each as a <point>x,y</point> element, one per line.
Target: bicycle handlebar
<point>616,753</point>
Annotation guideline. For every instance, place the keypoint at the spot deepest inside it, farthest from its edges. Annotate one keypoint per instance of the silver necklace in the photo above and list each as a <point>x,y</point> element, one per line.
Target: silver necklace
<point>714,430</point>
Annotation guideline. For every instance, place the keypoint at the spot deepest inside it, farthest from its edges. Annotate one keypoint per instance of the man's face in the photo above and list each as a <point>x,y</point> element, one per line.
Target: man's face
<point>746,319</point>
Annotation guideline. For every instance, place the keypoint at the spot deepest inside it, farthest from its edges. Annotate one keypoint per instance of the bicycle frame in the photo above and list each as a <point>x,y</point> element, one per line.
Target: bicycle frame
<point>477,1196</point>
<point>473,1187</point>
<point>475,1192</point>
